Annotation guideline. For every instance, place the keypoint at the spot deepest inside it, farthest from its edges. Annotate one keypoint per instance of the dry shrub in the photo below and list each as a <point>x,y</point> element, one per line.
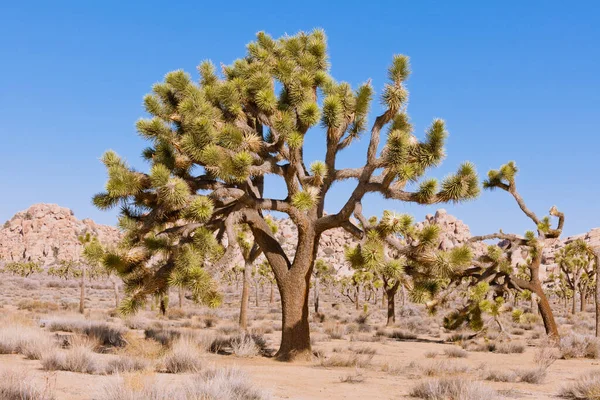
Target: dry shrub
<point>244,346</point>
<point>77,359</point>
<point>500,375</point>
<point>442,367</point>
<point>26,340</point>
<point>585,387</point>
<point>345,360</point>
<point>356,377</point>
<point>363,350</point>
<point>579,346</point>
<point>125,364</point>
<point>532,375</point>
<point>452,388</point>
<point>175,313</point>
<point>138,347</point>
<point>106,334</point>
<point>15,385</point>
<point>212,384</point>
<point>335,330</point>
<point>163,336</point>
<point>224,384</point>
<point>510,348</point>
<point>37,305</point>
<point>456,352</point>
<point>396,334</point>
<point>184,356</point>
<point>431,354</point>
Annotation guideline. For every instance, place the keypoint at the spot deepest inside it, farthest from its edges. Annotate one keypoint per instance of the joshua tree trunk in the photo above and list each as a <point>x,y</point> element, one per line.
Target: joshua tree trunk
<point>82,292</point>
<point>391,303</point>
<point>180,297</point>
<point>115,283</point>
<point>583,299</point>
<point>316,295</point>
<point>243,321</point>
<point>574,302</point>
<point>547,315</point>
<point>357,298</point>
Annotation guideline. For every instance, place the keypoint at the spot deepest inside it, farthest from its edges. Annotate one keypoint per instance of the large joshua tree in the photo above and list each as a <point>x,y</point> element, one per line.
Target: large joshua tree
<point>213,142</point>
<point>495,267</point>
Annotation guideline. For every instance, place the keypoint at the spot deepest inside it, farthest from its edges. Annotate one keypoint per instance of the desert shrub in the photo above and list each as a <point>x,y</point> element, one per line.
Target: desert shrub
<point>175,313</point>
<point>364,350</point>
<point>26,340</point>
<point>244,346</point>
<point>409,310</point>
<point>499,375</point>
<point>223,384</point>
<point>431,354</point>
<point>184,356</point>
<point>135,322</point>
<point>442,367</point>
<point>458,337</point>
<point>484,346</point>
<point>585,387</point>
<point>229,329</point>
<point>509,348</point>
<point>31,285</point>
<point>356,377</point>
<point>452,388</point>
<point>532,375</point>
<point>210,321</point>
<point>77,359</point>
<point>396,334</point>
<point>345,360</point>
<point>14,385</point>
<point>163,336</point>
<point>335,330</point>
<point>37,305</point>
<point>141,347</point>
<point>530,318</point>
<point>545,356</point>
<point>125,364</point>
<point>456,352</point>
<point>579,346</point>
<point>106,334</point>
<point>517,332</point>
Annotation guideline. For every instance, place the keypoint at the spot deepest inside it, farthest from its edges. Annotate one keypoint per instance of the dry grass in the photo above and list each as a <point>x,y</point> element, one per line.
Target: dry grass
<point>509,348</point>
<point>452,388</point>
<point>184,356</point>
<point>345,360</point>
<point>15,385</point>
<point>442,367</point>
<point>579,346</point>
<point>500,375</point>
<point>79,358</point>
<point>585,387</point>
<point>125,364</point>
<point>356,377</point>
<point>456,352</point>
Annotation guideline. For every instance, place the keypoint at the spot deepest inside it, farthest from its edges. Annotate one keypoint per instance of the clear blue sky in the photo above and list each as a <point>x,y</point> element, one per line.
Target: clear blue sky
<point>514,80</point>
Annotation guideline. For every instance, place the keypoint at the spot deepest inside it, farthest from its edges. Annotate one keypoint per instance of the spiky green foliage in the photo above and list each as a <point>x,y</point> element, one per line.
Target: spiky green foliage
<point>23,269</point>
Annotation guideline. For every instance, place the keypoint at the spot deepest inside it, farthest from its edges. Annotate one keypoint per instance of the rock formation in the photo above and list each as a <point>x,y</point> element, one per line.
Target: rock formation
<point>48,233</point>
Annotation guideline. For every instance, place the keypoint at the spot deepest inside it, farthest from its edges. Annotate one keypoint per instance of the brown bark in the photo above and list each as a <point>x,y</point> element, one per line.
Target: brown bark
<point>547,315</point>
<point>180,295</point>
<point>391,304</point>
<point>295,335</point>
<point>583,299</point>
<point>316,295</point>
<point>243,320</point>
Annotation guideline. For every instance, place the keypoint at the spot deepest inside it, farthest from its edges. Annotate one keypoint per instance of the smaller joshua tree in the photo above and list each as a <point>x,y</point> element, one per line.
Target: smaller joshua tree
<point>323,274</point>
<point>23,269</point>
<point>495,267</point>
<point>576,263</point>
<point>399,254</point>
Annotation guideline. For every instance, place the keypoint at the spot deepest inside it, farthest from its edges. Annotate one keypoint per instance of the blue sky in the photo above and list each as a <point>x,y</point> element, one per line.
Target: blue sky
<point>514,80</point>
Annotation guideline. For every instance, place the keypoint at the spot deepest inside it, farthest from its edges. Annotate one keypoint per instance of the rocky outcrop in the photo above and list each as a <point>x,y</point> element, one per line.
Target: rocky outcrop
<point>48,233</point>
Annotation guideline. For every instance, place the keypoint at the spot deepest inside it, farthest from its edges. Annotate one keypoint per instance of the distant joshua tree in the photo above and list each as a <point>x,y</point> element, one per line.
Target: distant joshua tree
<point>495,267</point>
<point>213,142</point>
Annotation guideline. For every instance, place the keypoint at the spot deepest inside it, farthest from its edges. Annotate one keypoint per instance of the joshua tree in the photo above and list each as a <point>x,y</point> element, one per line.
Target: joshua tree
<point>495,267</point>
<point>322,274</point>
<point>576,263</point>
<point>213,143</point>
<point>396,252</point>
<point>23,269</point>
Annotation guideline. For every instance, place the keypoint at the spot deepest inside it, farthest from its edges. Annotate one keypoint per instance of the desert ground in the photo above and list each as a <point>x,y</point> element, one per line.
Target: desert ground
<point>56,353</point>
